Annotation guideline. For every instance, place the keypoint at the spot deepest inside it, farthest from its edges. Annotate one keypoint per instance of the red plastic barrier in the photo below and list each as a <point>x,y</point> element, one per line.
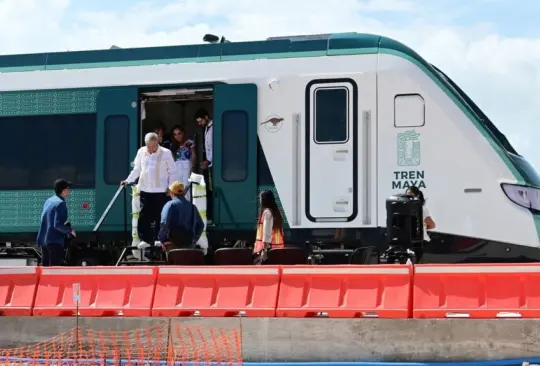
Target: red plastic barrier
<point>217,291</point>
<point>104,291</point>
<point>477,291</point>
<point>345,291</point>
<point>18,290</point>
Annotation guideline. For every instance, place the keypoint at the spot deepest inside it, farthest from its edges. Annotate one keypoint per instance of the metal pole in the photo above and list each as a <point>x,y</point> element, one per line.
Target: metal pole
<point>76,300</point>
<point>125,217</point>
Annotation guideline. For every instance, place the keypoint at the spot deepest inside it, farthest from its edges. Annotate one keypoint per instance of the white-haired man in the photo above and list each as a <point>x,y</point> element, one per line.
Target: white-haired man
<point>154,167</point>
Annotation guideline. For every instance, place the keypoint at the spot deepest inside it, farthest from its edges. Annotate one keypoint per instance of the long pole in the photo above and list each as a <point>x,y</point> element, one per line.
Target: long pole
<point>77,299</point>
<point>77,334</point>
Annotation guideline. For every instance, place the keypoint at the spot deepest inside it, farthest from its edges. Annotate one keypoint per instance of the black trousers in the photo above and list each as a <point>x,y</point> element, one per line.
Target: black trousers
<point>208,177</point>
<point>150,215</point>
<point>53,255</point>
<point>419,251</point>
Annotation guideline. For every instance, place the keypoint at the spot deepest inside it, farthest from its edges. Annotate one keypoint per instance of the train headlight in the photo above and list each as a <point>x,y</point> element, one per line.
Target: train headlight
<point>524,196</point>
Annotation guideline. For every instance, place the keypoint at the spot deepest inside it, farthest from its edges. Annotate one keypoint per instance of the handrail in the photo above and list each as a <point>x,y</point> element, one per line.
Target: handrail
<point>109,207</point>
<point>113,201</point>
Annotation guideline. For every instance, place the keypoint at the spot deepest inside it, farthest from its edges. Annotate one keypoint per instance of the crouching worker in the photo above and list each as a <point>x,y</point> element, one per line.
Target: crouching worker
<point>269,227</point>
<point>181,224</point>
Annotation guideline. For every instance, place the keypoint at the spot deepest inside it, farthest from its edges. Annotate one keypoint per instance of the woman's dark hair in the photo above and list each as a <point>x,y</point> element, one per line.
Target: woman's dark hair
<point>175,144</point>
<point>268,201</point>
<point>417,193</point>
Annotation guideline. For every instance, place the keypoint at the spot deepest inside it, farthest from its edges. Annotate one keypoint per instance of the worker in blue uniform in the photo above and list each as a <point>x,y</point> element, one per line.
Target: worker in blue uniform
<point>54,227</point>
<point>181,222</point>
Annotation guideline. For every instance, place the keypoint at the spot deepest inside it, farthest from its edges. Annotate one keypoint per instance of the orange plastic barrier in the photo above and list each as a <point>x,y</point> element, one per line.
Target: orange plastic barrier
<point>477,291</point>
<point>104,291</point>
<point>345,291</point>
<point>17,290</point>
<point>217,291</point>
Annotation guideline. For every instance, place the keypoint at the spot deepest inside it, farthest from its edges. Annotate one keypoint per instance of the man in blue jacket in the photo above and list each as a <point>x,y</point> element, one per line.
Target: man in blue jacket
<point>53,231</point>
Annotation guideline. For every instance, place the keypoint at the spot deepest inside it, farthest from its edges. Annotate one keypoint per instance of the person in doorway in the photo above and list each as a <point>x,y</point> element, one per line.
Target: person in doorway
<point>163,140</point>
<point>181,224</point>
<point>54,227</point>
<point>429,224</point>
<point>154,167</point>
<point>203,120</point>
<point>269,227</point>
<point>184,154</point>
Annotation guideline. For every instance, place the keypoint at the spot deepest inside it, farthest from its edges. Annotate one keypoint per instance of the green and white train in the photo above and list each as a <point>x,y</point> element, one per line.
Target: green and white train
<point>334,124</point>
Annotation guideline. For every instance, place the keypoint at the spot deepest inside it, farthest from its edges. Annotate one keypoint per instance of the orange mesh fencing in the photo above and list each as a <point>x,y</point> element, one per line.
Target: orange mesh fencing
<point>167,343</point>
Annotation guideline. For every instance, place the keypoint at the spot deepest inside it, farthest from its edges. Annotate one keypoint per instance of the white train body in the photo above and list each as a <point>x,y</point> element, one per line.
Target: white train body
<point>398,123</point>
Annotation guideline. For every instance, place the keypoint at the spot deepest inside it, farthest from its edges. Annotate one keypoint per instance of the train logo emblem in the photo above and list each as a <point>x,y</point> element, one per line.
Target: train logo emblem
<point>408,148</point>
<point>273,123</point>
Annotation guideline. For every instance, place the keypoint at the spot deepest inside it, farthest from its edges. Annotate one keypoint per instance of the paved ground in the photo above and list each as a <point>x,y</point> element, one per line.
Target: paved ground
<point>310,340</point>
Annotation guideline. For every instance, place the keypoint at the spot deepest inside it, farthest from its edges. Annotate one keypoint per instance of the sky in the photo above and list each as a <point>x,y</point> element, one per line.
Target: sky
<point>490,48</point>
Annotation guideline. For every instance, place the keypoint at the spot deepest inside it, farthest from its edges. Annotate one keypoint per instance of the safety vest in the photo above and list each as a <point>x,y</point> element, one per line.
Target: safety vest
<point>276,239</point>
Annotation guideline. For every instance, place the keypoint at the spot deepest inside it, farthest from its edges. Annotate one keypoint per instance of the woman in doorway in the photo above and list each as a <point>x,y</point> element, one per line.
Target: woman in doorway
<point>429,224</point>
<point>183,150</point>
<point>269,227</point>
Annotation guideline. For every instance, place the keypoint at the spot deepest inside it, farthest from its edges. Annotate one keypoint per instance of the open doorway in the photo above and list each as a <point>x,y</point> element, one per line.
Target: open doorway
<point>168,108</point>
<point>233,107</point>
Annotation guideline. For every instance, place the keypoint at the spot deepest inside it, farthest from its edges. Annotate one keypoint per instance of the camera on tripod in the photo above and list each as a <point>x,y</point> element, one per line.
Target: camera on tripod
<point>404,229</point>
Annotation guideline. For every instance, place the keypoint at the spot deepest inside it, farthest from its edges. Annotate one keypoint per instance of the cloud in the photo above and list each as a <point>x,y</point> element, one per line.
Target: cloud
<point>498,68</point>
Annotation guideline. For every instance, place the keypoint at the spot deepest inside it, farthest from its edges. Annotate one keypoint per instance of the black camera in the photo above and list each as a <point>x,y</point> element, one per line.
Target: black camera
<point>404,229</point>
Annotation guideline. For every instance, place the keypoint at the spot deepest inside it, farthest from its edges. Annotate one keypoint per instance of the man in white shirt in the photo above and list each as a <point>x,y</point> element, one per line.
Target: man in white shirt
<point>154,167</point>
<point>203,120</point>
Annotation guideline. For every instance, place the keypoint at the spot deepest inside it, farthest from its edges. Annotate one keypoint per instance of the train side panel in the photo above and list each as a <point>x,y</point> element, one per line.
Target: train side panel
<point>87,136</point>
<point>51,133</point>
<point>322,184</point>
<point>426,140</point>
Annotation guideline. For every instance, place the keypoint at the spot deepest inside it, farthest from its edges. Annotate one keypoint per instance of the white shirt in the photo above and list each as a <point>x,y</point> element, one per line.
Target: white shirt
<point>268,225</point>
<point>425,213</point>
<point>155,171</point>
<point>208,132</point>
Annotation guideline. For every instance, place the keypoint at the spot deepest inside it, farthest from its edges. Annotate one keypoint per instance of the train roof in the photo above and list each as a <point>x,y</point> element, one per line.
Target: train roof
<point>275,47</point>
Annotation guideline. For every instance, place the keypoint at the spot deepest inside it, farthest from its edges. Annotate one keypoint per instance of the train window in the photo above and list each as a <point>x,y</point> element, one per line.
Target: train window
<point>409,110</point>
<point>37,150</point>
<point>331,115</point>
<point>116,151</point>
<point>234,146</point>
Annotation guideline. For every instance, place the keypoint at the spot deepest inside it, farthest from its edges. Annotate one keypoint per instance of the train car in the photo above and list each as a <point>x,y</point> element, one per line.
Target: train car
<point>333,124</point>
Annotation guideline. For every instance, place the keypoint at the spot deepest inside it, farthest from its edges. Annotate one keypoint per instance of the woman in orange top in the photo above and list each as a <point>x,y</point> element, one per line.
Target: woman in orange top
<point>269,226</point>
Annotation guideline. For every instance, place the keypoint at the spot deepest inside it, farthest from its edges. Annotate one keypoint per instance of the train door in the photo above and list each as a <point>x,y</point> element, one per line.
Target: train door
<point>117,145</point>
<point>234,178</point>
<point>338,153</point>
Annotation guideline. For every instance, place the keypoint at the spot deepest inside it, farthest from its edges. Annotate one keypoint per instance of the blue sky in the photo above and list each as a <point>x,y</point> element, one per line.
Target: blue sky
<point>491,48</point>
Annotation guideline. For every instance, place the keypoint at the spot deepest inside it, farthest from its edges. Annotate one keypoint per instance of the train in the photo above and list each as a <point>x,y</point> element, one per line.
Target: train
<point>333,124</point>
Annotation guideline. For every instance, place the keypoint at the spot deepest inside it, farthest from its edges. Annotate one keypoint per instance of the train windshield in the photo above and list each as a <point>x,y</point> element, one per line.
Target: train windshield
<point>522,165</point>
<point>499,136</point>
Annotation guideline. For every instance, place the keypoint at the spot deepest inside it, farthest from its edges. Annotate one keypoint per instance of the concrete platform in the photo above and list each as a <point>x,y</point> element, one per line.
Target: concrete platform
<point>283,340</point>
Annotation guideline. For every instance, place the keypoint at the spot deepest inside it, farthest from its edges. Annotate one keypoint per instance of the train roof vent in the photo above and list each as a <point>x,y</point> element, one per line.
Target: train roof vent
<point>309,37</point>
